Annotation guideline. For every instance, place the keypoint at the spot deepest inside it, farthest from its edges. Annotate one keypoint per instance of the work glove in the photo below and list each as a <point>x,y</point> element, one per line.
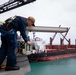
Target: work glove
<point>29,42</point>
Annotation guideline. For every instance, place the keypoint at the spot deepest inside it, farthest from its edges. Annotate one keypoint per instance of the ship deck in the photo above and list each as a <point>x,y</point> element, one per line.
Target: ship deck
<point>22,61</point>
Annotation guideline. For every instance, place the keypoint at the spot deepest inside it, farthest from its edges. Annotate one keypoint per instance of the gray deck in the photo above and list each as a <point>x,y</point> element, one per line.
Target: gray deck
<point>23,62</point>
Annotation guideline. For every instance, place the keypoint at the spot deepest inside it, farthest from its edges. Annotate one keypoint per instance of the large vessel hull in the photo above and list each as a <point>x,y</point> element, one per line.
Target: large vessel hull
<point>52,55</point>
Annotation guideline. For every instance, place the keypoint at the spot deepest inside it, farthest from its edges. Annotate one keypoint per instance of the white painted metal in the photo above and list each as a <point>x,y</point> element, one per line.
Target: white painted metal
<point>47,29</point>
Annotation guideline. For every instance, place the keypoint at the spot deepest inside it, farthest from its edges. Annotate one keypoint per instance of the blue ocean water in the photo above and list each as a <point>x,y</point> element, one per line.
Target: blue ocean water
<point>57,67</point>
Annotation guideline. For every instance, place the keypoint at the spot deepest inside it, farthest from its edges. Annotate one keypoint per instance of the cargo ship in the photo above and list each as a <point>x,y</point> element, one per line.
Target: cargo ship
<point>50,51</point>
<point>52,55</point>
<point>53,52</point>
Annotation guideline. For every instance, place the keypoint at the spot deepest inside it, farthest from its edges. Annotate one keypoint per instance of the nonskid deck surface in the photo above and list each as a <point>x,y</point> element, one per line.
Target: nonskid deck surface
<point>23,62</point>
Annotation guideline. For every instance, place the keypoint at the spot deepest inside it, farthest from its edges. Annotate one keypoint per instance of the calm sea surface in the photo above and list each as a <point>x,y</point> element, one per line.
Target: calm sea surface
<point>57,67</point>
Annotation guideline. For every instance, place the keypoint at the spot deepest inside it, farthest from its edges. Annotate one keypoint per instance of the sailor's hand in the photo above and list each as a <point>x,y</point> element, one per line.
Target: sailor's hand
<point>29,42</point>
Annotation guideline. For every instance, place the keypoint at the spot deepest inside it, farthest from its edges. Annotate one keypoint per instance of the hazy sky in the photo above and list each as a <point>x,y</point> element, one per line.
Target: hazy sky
<point>48,13</point>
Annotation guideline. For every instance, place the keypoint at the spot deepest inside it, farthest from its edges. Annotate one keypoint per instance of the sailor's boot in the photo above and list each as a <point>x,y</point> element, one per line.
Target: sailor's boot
<point>10,68</point>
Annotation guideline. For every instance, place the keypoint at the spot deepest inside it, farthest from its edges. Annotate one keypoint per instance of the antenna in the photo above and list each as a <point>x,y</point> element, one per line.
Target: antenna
<point>12,4</point>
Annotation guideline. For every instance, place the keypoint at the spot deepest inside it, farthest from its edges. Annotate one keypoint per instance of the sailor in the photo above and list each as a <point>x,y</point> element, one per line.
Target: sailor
<point>8,37</point>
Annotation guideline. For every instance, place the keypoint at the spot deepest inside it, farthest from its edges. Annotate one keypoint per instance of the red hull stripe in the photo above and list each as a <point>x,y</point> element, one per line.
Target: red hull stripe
<point>49,58</point>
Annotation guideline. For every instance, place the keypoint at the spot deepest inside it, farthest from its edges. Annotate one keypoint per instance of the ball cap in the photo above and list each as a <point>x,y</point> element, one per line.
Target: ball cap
<point>32,19</point>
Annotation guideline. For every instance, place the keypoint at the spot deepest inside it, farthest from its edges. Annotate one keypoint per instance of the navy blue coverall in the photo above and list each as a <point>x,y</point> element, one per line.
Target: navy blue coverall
<point>8,38</point>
